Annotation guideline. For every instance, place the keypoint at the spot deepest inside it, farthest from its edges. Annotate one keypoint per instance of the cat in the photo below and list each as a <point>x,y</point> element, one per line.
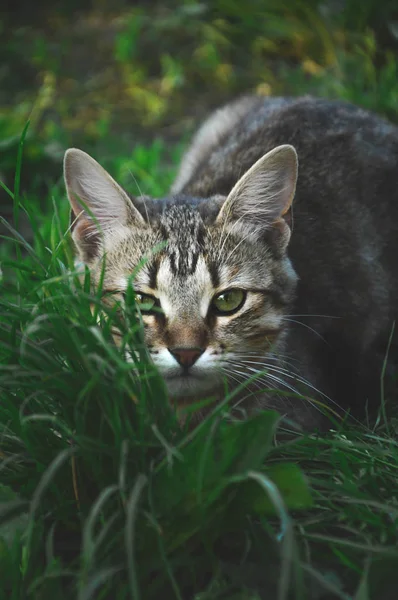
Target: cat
<point>281,257</point>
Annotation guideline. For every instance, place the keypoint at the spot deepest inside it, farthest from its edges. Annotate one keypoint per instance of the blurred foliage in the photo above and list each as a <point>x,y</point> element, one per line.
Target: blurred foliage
<point>108,75</point>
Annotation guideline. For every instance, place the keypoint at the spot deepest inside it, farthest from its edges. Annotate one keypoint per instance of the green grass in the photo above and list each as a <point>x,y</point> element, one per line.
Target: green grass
<point>102,493</point>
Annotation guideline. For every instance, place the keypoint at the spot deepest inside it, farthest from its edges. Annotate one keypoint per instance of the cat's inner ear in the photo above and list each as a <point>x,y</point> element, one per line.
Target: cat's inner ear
<point>264,194</point>
<point>99,205</point>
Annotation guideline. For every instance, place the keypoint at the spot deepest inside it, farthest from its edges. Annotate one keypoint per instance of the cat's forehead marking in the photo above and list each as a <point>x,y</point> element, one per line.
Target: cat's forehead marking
<point>184,293</point>
<point>185,233</point>
<point>197,281</point>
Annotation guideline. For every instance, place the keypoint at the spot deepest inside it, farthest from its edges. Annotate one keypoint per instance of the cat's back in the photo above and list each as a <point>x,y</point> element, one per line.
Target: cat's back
<point>334,140</point>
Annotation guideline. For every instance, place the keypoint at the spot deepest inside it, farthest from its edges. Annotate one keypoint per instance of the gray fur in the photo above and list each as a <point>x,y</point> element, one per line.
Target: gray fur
<point>211,134</point>
<point>319,307</point>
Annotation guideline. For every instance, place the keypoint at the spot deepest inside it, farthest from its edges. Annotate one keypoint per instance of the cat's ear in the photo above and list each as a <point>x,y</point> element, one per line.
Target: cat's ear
<point>264,194</point>
<point>100,207</point>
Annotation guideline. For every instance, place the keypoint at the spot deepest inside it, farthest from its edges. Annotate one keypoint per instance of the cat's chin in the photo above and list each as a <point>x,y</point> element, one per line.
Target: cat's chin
<point>192,386</point>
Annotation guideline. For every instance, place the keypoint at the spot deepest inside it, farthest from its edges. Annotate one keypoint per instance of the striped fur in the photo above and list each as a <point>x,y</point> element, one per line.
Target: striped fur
<point>320,297</point>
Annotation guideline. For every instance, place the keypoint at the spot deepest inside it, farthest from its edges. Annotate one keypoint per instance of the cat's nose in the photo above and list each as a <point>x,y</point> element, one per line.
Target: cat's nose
<point>186,357</point>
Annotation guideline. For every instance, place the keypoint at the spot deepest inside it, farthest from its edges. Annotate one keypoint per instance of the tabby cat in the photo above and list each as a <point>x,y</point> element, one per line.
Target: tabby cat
<point>302,293</point>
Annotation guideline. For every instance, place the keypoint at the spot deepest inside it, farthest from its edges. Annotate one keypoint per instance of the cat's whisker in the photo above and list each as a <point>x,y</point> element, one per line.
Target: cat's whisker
<point>282,367</point>
<point>281,359</point>
<point>284,358</point>
<point>264,367</point>
<point>135,181</point>
<point>309,315</point>
<point>279,369</point>
<point>285,373</point>
<point>239,377</point>
<point>228,373</point>
<point>261,375</point>
<point>251,233</point>
<point>267,378</point>
<point>141,193</point>
<point>145,206</point>
<point>243,375</point>
<point>268,375</point>
<point>306,326</point>
<point>224,237</point>
<point>287,399</point>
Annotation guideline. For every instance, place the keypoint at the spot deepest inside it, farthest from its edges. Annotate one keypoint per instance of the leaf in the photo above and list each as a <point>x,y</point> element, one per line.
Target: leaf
<point>292,486</point>
<point>218,452</point>
<point>251,497</point>
<point>188,494</point>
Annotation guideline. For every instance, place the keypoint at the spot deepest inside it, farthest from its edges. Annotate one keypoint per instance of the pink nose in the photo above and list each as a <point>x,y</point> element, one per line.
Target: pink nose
<point>186,357</point>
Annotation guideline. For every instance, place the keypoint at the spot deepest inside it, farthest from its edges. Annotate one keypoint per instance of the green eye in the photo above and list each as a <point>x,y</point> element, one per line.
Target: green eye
<point>145,302</point>
<point>229,301</point>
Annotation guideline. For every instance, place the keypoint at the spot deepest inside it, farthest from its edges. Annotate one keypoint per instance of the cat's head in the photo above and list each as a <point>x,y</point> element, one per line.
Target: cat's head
<point>222,279</point>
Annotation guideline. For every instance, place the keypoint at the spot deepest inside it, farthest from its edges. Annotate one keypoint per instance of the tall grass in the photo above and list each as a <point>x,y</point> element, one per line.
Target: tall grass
<point>104,494</point>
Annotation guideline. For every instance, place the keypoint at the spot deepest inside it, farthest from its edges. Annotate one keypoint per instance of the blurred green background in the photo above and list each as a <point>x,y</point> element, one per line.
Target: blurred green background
<point>128,81</point>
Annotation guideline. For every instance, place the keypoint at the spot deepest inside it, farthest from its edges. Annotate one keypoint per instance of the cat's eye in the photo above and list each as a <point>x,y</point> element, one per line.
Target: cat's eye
<point>228,302</point>
<point>145,302</point>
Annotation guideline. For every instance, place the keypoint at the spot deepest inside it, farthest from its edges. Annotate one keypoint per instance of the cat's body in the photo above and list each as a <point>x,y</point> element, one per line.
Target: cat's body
<point>324,316</point>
